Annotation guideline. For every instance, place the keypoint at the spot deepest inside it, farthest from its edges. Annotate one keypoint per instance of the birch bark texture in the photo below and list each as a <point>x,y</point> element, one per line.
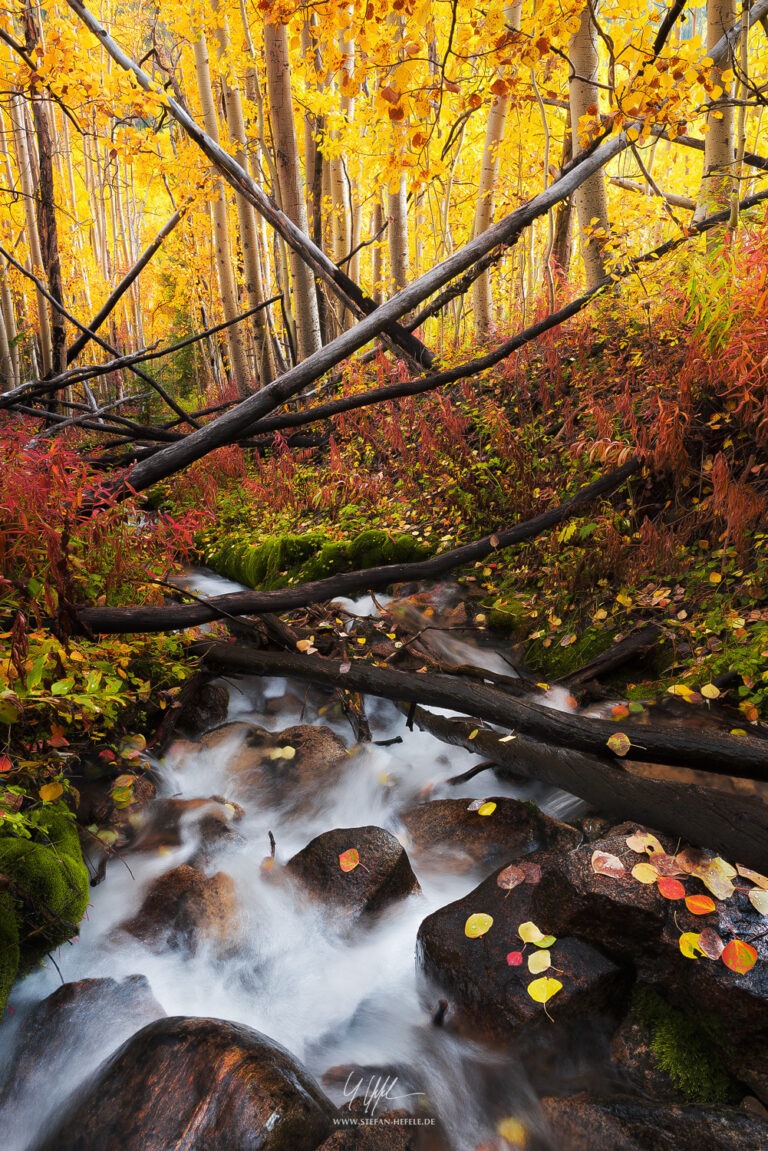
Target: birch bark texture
<point>291,181</point>
<point>234,337</point>
<point>583,93</point>
<point>715,190</point>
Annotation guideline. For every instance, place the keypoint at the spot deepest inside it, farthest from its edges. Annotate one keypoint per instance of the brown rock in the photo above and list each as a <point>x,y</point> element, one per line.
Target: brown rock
<point>447,831</point>
<point>489,993</point>
<point>196,1085</point>
<point>632,1053</point>
<point>72,1025</point>
<point>184,907</point>
<point>317,760</point>
<point>203,705</point>
<point>383,875</point>
<point>164,822</point>
<point>391,1132</point>
<point>622,1123</point>
<point>632,920</point>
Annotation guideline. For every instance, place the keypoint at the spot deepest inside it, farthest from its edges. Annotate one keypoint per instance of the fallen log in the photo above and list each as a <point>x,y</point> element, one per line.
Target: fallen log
<point>739,756</point>
<point>736,824</point>
<point>639,643</point>
<point>115,620</point>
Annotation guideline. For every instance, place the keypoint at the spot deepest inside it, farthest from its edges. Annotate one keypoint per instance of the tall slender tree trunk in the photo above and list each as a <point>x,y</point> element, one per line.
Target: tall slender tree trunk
<point>249,237</point>
<point>482,303</point>
<point>591,199</point>
<point>397,205</point>
<point>33,239</point>
<point>291,181</point>
<point>9,322</point>
<point>234,336</point>
<point>714,194</point>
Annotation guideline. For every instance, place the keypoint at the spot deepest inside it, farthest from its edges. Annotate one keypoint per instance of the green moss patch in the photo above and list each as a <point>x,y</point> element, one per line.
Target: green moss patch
<point>685,1050</point>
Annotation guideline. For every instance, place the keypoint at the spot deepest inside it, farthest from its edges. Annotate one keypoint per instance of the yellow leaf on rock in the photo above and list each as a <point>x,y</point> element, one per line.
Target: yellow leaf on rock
<point>529,933</point>
<point>644,841</point>
<point>689,944</point>
<point>512,1131</point>
<point>755,876</point>
<point>759,900</point>
<point>539,961</point>
<point>645,873</point>
<point>541,990</point>
<point>486,809</point>
<point>477,925</point>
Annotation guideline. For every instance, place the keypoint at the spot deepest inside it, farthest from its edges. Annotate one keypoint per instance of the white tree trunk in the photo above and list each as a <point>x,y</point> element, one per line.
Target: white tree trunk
<point>234,337</point>
<point>714,194</point>
<point>33,239</point>
<point>249,239</point>
<point>591,199</point>
<point>291,182</point>
<point>397,204</point>
<point>482,303</point>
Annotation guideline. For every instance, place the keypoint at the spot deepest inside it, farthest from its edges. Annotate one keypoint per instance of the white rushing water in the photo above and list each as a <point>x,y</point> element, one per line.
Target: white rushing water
<point>331,996</point>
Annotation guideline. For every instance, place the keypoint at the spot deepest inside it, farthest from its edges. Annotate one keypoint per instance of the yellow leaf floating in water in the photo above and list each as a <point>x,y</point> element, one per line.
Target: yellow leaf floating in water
<point>50,792</point>
<point>542,990</point>
<point>539,961</point>
<point>486,809</point>
<point>619,743</point>
<point>478,924</point>
<point>512,1131</point>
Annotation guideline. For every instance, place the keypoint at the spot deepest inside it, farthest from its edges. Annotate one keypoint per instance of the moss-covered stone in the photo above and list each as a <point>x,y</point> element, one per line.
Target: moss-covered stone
<point>556,661</point>
<point>508,615</point>
<point>279,560</point>
<point>685,1050</point>
<point>51,885</point>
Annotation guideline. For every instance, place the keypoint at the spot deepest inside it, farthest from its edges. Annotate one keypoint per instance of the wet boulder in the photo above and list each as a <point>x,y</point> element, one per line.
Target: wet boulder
<point>77,1023</point>
<point>184,908</point>
<point>624,1123</point>
<point>196,1085</point>
<point>392,1131</point>
<point>464,833</point>
<point>649,921</point>
<point>473,949</point>
<point>292,766</point>
<point>168,822</point>
<point>355,870</point>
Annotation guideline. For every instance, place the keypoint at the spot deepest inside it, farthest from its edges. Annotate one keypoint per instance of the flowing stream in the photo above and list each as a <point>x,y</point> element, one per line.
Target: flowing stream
<point>331,996</point>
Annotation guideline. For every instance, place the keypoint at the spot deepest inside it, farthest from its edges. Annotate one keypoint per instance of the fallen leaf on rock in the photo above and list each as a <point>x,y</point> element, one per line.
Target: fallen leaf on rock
<point>689,859</point>
<point>486,809</point>
<point>348,860</point>
<point>641,841</point>
<point>539,961</point>
<point>510,877</point>
<point>542,990</point>
<point>475,805</point>
<point>515,958</point>
<point>755,876</point>
<point>711,943</point>
<point>671,888</point>
<point>715,878</point>
<point>478,924</point>
<point>645,873</point>
<point>529,933</point>
<point>759,900</point>
<point>741,957</point>
<point>619,743</point>
<point>603,863</point>
<point>690,944</point>
<point>699,904</point>
<point>667,865</point>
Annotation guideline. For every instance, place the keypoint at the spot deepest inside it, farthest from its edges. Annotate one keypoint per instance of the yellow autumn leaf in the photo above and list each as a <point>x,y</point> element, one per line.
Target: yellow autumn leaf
<point>541,990</point>
<point>486,808</point>
<point>689,944</point>
<point>619,743</point>
<point>645,873</point>
<point>50,792</point>
<point>478,924</point>
<point>512,1131</point>
<point>539,961</point>
<point>709,691</point>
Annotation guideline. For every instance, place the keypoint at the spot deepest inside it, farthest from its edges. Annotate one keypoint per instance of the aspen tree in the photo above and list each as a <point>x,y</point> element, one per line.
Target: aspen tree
<point>715,190</point>
<point>489,173</point>
<point>591,200</point>
<point>291,181</point>
<point>234,336</point>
